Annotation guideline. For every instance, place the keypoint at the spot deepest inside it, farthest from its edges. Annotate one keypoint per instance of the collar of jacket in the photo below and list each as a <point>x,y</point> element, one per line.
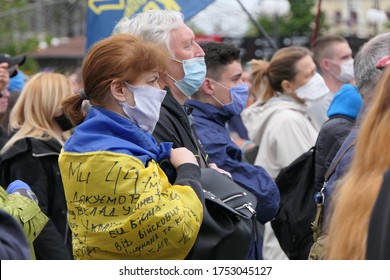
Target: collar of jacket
<point>173,107</point>
<point>38,148</point>
<point>208,111</point>
<point>105,130</point>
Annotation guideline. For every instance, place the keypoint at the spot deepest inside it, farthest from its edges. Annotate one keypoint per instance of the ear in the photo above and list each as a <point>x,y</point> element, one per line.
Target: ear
<point>208,87</point>
<point>287,87</point>
<point>117,90</point>
<point>325,63</point>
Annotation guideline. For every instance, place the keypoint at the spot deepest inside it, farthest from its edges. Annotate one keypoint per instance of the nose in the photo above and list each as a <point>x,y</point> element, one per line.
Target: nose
<point>199,51</point>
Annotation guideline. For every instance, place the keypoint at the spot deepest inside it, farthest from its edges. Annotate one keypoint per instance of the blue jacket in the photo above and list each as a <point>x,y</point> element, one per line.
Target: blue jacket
<point>210,125</point>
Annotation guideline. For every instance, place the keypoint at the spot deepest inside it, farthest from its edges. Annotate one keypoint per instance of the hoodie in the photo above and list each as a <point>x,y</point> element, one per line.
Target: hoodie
<point>346,102</point>
<point>282,129</point>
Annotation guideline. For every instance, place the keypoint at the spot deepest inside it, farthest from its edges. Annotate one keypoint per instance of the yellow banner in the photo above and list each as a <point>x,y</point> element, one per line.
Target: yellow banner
<point>118,209</point>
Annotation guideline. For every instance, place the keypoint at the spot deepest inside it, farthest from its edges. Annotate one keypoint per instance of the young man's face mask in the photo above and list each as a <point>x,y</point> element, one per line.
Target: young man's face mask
<point>239,97</point>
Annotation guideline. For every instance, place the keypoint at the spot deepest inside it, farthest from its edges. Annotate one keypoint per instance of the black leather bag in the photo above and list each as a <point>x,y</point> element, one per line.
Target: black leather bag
<point>229,225</point>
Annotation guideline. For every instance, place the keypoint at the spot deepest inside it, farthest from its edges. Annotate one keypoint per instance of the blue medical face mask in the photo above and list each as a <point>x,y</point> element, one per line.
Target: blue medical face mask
<point>194,75</point>
<point>239,96</point>
<point>146,111</point>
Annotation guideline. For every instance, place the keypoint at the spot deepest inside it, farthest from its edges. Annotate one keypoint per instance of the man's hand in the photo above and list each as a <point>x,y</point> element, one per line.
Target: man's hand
<point>215,167</point>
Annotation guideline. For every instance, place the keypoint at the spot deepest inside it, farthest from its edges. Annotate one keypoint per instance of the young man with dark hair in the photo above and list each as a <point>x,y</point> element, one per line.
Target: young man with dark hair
<point>223,95</point>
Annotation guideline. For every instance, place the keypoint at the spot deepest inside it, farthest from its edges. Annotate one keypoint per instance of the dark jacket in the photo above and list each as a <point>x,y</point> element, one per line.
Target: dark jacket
<point>343,111</point>
<point>378,240</point>
<point>174,126</point>
<point>35,162</point>
<point>342,167</point>
<point>4,136</point>
<point>332,135</point>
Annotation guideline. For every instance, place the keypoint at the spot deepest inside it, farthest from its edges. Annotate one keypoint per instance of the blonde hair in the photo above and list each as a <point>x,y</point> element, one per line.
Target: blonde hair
<point>36,106</point>
<point>358,190</point>
<point>268,76</point>
<point>259,82</point>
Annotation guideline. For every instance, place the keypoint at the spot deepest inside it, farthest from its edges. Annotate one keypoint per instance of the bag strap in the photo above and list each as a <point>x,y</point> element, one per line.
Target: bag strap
<point>316,225</point>
<point>335,163</point>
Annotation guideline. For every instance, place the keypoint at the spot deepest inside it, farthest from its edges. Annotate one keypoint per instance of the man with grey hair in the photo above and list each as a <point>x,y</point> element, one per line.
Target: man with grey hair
<point>366,77</point>
<point>366,74</point>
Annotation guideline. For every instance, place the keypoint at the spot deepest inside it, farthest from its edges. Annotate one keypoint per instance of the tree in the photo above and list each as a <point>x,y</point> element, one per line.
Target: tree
<point>12,27</point>
<point>25,23</point>
<point>299,22</point>
<point>12,30</point>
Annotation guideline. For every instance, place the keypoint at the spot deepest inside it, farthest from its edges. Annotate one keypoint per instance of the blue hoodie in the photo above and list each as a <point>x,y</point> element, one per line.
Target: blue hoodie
<point>347,102</point>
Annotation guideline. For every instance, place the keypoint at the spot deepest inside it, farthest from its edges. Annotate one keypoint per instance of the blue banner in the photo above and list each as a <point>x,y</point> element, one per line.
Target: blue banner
<point>103,15</point>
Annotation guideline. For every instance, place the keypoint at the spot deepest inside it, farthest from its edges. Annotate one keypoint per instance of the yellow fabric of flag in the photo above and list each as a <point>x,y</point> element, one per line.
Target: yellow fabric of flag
<point>120,209</point>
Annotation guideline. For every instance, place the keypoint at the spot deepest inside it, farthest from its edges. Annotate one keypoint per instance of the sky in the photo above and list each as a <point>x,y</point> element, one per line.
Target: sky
<point>226,17</point>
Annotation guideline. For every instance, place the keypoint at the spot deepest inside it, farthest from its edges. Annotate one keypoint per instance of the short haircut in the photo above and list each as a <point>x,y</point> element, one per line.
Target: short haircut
<point>322,47</point>
<point>218,55</point>
<point>366,74</point>
<point>151,26</point>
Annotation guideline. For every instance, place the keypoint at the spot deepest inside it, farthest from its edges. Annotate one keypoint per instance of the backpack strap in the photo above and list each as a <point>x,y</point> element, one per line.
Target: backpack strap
<point>334,164</point>
<point>316,225</point>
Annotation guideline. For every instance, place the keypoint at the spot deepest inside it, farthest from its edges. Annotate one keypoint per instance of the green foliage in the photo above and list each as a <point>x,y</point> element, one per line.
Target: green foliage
<point>12,28</point>
<point>300,21</point>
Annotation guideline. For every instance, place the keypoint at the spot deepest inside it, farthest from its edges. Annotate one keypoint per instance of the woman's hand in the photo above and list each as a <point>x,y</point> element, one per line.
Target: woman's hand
<point>180,156</point>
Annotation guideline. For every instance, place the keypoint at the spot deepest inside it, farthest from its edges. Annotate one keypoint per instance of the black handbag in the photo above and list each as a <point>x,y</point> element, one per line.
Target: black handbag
<point>229,226</point>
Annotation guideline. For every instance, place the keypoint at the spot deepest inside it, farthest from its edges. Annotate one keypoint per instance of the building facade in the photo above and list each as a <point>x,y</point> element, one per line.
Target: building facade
<point>352,17</point>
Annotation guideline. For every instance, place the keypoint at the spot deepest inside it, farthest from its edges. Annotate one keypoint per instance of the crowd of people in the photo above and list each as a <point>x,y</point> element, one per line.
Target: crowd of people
<point>111,161</point>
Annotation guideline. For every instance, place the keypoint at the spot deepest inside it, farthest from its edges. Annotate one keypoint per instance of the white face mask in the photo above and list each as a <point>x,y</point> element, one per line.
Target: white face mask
<point>346,74</point>
<point>314,89</point>
<point>146,111</point>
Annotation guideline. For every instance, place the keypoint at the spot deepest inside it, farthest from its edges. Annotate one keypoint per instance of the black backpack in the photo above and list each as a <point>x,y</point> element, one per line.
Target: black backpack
<point>292,226</point>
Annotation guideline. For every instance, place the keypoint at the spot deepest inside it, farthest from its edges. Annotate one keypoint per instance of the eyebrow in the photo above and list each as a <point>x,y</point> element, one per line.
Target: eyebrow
<point>237,76</point>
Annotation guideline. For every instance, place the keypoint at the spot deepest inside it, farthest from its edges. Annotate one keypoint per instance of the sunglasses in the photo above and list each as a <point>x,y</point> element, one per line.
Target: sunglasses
<point>383,62</point>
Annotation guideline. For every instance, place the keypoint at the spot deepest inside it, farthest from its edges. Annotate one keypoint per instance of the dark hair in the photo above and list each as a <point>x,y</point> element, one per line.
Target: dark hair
<point>121,56</point>
<point>217,55</point>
